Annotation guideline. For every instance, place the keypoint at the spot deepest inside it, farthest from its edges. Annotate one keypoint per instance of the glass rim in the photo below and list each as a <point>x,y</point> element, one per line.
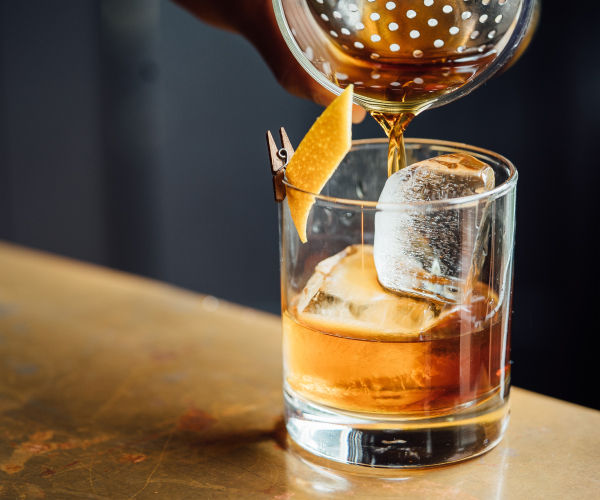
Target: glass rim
<point>493,194</point>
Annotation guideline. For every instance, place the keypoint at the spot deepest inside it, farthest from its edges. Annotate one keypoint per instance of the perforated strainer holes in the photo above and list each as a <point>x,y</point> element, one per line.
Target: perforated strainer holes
<point>388,29</point>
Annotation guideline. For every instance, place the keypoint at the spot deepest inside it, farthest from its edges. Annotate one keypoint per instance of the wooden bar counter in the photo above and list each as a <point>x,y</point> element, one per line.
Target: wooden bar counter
<point>114,386</point>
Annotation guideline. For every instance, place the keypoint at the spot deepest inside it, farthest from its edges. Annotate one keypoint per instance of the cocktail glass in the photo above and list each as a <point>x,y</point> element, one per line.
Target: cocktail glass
<point>388,379</point>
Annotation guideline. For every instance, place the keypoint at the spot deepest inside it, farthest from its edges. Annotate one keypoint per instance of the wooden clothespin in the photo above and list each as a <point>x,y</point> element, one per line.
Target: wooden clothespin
<point>279,158</point>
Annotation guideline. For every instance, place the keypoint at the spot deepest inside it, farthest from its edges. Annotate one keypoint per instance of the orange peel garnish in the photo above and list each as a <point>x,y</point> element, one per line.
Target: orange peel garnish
<point>318,156</point>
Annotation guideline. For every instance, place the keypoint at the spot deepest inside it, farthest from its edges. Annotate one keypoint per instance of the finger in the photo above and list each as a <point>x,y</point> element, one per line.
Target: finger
<point>288,71</point>
<point>358,113</point>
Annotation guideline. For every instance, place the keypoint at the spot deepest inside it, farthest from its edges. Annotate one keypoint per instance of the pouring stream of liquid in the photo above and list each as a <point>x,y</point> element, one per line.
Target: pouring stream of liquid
<point>394,125</point>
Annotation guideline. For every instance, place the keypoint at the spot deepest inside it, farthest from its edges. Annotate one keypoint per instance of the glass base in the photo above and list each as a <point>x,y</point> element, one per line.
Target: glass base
<point>389,441</point>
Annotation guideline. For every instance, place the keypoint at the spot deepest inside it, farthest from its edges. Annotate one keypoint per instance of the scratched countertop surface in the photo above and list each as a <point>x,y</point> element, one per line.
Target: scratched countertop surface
<point>113,386</point>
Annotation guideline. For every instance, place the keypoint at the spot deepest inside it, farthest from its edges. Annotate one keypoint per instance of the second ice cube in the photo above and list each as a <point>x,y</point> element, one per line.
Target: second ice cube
<point>429,250</point>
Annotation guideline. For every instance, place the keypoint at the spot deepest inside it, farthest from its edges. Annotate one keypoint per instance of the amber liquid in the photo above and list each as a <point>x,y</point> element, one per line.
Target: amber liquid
<point>407,87</point>
<point>414,87</point>
<point>459,362</point>
<point>394,125</point>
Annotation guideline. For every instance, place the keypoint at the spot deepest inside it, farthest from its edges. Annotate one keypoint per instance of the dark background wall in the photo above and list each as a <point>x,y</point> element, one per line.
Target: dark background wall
<point>131,135</point>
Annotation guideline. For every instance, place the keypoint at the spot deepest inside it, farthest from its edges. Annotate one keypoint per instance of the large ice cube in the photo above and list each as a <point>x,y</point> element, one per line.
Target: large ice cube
<point>430,251</point>
<point>344,296</point>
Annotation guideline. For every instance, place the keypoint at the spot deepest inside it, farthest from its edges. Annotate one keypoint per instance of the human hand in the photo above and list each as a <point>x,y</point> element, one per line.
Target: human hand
<point>255,20</point>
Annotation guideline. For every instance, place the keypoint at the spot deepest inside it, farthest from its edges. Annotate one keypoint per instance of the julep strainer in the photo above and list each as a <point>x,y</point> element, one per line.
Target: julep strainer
<point>404,55</point>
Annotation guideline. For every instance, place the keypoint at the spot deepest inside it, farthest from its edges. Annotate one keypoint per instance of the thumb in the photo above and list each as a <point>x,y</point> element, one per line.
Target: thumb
<point>358,113</point>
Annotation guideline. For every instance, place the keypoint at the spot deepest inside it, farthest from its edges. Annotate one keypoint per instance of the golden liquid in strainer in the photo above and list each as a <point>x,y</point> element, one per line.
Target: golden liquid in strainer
<point>412,62</point>
<point>413,84</point>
